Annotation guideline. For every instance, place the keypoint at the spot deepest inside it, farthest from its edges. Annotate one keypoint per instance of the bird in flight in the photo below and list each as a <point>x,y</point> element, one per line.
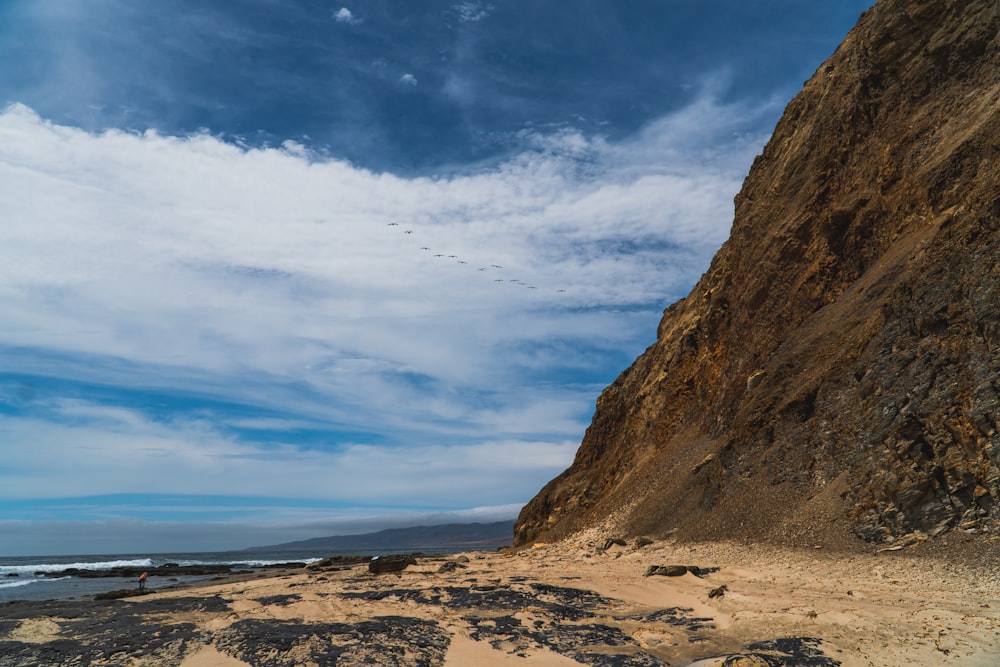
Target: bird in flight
<point>482,268</point>
<point>394,224</point>
<point>560,290</point>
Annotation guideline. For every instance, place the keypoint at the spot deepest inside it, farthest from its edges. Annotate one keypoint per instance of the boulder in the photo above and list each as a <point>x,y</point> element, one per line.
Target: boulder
<point>450,566</point>
<point>395,563</point>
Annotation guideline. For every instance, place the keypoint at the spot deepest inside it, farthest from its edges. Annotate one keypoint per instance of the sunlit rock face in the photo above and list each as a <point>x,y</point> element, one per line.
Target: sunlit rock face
<point>835,373</point>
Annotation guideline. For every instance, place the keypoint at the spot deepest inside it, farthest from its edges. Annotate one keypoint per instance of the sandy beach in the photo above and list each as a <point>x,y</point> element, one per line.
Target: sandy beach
<point>561,604</point>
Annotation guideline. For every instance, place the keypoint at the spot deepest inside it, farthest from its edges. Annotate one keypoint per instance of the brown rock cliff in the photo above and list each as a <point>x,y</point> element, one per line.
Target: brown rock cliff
<point>836,371</point>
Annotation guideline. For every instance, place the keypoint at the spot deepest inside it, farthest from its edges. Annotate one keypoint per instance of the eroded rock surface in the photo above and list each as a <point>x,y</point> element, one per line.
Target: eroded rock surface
<point>836,372</point>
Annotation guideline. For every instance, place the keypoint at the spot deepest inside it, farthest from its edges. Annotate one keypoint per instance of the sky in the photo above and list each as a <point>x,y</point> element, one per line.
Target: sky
<point>272,270</point>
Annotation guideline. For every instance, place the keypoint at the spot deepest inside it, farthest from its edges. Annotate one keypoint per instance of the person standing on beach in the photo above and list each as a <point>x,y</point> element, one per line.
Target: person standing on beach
<point>142,580</point>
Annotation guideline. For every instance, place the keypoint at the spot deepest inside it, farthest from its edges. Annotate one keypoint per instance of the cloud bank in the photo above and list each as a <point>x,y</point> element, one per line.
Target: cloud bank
<point>188,315</point>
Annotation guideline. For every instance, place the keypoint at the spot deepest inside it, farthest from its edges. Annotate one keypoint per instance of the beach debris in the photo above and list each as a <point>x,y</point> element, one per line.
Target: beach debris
<point>666,570</point>
<point>718,592</point>
<point>450,566</point>
<point>394,563</point>
<point>611,542</point>
<point>643,541</point>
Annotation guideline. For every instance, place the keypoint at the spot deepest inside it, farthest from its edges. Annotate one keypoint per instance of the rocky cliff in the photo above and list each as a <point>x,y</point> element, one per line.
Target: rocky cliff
<point>836,372</point>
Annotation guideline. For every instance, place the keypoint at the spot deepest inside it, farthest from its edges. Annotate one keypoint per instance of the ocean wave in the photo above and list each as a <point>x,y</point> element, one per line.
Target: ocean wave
<point>23,569</point>
<point>13,584</point>
<point>265,563</point>
<point>242,563</point>
<point>31,568</point>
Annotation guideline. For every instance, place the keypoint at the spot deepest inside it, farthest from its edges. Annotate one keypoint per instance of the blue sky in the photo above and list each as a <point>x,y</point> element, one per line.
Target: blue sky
<point>274,270</point>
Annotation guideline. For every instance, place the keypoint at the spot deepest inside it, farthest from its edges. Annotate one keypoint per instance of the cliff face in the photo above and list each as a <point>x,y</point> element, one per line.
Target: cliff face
<point>836,371</point>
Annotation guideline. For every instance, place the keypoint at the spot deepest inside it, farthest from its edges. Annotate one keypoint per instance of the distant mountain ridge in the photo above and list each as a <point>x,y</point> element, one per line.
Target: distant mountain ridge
<point>469,535</point>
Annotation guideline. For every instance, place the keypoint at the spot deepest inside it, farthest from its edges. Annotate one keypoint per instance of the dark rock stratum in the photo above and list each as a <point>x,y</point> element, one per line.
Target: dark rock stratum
<point>836,372</point>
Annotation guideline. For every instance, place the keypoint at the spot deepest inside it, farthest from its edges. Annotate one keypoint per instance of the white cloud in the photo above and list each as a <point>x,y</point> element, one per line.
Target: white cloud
<point>123,452</point>
<point>408,79</point>
<point>274,279</point>
<point>344,15</point>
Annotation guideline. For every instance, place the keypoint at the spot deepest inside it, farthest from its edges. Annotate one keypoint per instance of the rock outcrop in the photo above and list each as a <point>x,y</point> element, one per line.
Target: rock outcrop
<point>836,371</point>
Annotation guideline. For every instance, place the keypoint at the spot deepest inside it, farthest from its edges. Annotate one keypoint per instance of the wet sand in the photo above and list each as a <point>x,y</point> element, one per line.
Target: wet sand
<point>562,604</point>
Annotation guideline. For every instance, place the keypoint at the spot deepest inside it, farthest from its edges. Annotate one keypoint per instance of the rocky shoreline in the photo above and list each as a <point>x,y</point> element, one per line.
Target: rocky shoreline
<point>165,570</point>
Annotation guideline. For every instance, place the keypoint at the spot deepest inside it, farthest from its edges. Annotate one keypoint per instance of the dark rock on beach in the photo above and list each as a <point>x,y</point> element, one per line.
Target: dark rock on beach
<point>106,633</point>
<point>121,593</point>
<point>791,651</point>
<point>393,641</point>
<point>666,570</point>
<point>338,562</point>
<point>612,542</point>
<point>678,570</point>
<point>167,570</point>
<point>395,563</point>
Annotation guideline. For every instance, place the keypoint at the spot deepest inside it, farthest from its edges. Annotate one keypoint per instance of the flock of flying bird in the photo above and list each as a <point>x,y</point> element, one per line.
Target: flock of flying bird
<point>483,268</point>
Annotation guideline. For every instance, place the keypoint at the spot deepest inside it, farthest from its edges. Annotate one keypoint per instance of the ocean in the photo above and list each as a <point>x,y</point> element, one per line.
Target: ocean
<point>19,578</point>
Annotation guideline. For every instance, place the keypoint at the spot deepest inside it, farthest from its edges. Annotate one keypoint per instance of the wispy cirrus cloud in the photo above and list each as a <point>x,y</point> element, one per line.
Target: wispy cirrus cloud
<point>471,12</point>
